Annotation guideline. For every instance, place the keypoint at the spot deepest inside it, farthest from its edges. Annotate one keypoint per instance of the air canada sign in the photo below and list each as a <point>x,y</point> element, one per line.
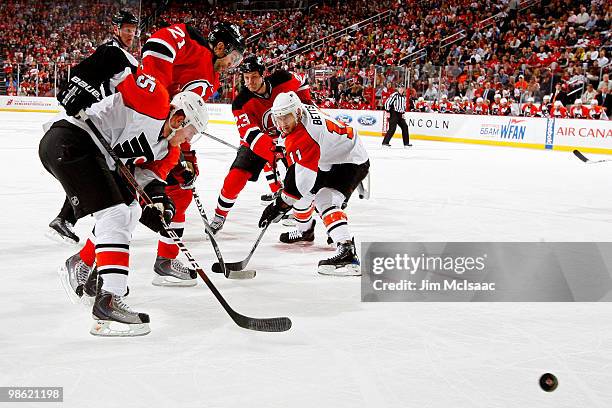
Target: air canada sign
<point>585,132</point>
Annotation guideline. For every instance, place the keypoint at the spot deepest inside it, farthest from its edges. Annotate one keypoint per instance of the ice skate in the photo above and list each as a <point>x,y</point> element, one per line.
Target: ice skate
<point>61,230</point>
<point>295,236</point>
<point>344,263</point>
<point>73,275</point>
<point>172,272</point>
<point>267,198</point>
<point>114,318</point>
<point>216,224</point>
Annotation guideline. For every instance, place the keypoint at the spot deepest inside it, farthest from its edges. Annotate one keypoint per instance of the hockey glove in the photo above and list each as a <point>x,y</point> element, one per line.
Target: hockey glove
<point>78,95</point>
<point>190,172</point>
<point>274,212</point>
<point>162,207</point>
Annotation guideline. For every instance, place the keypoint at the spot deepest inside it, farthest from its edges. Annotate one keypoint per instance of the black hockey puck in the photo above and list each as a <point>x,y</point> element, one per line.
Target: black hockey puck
<point>548,382</point>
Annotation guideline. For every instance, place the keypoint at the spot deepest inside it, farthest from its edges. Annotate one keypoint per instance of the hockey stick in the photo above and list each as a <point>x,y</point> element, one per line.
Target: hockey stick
<point>230,274</point>
<point>274,324</point>
<point>220,140</point>
<point>239,266</point>
<point>585,159</point>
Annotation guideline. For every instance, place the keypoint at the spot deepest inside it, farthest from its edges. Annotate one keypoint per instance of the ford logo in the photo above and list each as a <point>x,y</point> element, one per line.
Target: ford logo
<point>367,120</point>
<point>344,118</point>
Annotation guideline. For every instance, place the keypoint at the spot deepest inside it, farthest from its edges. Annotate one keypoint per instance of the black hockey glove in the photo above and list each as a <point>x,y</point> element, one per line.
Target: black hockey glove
<point>162,207</point>
<point>274,212</point>
<point>78,94</point>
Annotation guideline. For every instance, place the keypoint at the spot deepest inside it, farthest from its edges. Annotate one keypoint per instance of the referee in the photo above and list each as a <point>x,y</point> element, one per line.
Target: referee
<point>396,106</point>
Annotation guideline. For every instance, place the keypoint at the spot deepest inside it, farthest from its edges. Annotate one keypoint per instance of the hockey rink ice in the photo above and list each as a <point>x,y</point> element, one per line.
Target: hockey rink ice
<point>340,352</point>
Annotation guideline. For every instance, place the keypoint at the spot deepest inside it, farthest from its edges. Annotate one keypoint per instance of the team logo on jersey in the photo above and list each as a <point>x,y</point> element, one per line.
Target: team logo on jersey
<point>267,121</point>
<point>75,200</point>
<point>200,87</point>
<point>367,120</point>
<point>344,118</point>
<point>137,150</point>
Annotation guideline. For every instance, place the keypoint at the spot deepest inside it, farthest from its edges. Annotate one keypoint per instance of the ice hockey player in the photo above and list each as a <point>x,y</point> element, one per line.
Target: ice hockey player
<point>467,106</point>
<point>443,106</point>
<point>257,150</point>
<point>558,110</point>
<point>545,107</point>
<point>326,160</point>
<point>481,108</point>
<point>504,107</point>
<point>182,59</point>
<point>456,105</point>
<point>142,127</point>
<point>421,105</point>
<point>495,106</point>
<point>579,111</point>
<point>92,79</point>
<point>529,109</point>
<point>597,112</point>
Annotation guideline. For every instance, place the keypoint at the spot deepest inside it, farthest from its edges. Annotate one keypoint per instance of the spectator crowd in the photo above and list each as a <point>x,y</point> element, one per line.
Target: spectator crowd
<point>442,50</point>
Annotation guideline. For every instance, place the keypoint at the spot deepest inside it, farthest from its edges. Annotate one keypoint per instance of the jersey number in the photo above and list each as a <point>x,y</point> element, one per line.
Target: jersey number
<point>339,128</point>
<point>143,81</point>
<point>291,158</point>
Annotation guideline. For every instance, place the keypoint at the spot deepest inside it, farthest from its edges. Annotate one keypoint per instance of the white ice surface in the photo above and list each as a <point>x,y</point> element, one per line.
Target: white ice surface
<point>340,352</point>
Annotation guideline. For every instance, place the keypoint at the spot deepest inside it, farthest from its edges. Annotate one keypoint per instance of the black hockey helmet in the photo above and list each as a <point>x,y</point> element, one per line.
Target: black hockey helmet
<point>252,63</point>
<point>124,17</point>
<point>228,34</point>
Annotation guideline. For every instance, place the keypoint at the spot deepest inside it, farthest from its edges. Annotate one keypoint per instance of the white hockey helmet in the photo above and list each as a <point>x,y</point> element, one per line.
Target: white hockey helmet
<point>479,100</point>
<point>546,98</point>
<point>558,104</point>
<point>497,96</point>
<point>285,103</point>
<point>594,102</point>
<point>465,98</point>
<point>578,101</point>
<point>421,99</point>
<point>503,100</point>
<point>530,100</point>
<point>444,97</point>
<point>457,98</point>
<point>193,107</point>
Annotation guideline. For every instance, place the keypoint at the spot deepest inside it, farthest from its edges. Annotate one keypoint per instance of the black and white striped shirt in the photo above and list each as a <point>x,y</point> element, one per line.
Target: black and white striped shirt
<point>396,102</point>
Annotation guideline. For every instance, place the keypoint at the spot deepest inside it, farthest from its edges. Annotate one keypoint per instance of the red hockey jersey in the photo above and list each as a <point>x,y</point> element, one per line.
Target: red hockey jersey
<point>178,56</point>
<point>579,112</point>
<point>253,114</point>
<point>529,110</point>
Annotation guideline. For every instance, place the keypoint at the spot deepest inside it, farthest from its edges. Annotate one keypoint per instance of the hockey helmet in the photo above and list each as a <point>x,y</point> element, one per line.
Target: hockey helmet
<point>284,104</point>
<point>124,17</point>
<point>594,102</point>
<point>252,63</point>
<point>228,34</point>
<point>194,108</point>
<point>578,101</point>
<point>546,98</point>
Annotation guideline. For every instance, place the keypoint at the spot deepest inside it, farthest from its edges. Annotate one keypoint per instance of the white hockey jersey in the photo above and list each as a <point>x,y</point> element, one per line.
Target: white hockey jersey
<point>131,121</point>
<point>319,142</point>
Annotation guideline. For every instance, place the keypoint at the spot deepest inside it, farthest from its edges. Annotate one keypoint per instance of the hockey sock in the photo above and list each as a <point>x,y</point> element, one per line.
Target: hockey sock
<point>88,252</point>
<point>113,261</point>
<point>269,172</point>
<point>233,184</point>
<point>303,217</point>
<point>336,222</point>
<point>166,246</point>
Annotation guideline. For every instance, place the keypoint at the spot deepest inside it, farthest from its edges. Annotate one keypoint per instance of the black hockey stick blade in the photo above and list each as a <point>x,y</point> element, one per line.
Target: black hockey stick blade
<point>272,324</point>
<point>580,155</point>
<point>585,159</point>
<point>239,266</point>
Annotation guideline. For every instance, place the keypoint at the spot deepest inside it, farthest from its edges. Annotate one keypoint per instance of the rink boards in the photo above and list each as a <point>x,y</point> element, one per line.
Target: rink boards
<point>591,136</point>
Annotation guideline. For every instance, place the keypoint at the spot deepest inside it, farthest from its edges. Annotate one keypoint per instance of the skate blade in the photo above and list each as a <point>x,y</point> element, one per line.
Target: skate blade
<point>108,328</point>
<point>171,281</point>
<point>55,236</point>
<point>347,270</point>
<point>65,281</point>
<point>289,222</point>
